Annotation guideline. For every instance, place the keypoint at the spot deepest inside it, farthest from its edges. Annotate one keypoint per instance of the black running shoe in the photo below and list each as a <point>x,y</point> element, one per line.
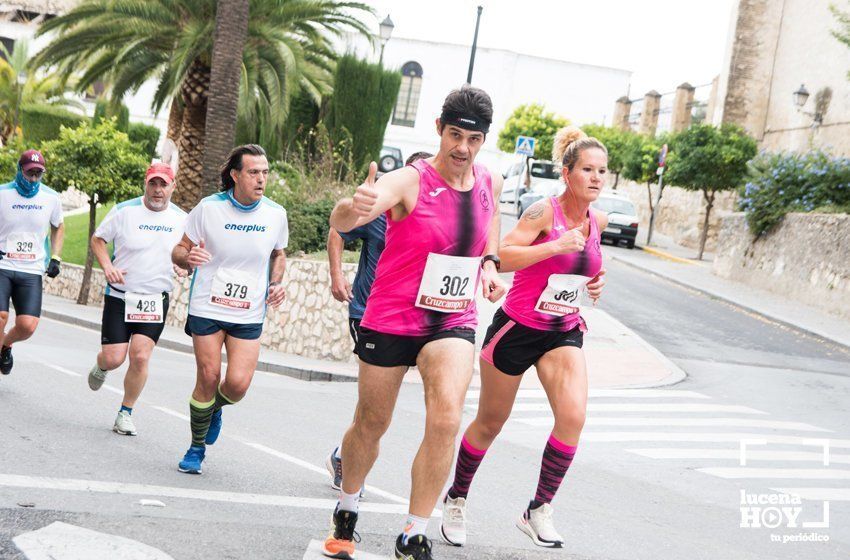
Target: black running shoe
<point>417,548</point>
<point>6,360</point>
<point>341,540</point>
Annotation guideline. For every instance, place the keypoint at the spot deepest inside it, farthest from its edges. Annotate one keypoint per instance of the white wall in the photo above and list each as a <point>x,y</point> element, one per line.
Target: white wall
<point>580,92</point>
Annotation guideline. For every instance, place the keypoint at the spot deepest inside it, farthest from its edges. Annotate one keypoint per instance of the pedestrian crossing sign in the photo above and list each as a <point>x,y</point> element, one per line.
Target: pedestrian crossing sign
<point>525,145</point>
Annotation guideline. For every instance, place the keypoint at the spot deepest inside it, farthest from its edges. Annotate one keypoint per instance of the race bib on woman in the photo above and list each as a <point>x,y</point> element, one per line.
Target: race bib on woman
<point>563,294</point>
<point>143,308</point>
<point>22,246</point>
<point>448,283</point>
<point>233,288</point>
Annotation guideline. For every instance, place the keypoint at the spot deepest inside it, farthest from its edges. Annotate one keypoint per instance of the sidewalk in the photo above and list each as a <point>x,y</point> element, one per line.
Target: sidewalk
<point>617,357</point>
<point>678,265</point>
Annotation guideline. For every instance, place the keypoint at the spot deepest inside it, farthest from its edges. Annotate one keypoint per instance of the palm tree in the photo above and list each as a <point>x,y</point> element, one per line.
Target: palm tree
<point>19,87</point>
<point>231,31</point>
<point>127,42</point>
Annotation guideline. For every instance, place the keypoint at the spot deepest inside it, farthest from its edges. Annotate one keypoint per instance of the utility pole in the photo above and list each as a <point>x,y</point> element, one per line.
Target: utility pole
<point>474,46</point>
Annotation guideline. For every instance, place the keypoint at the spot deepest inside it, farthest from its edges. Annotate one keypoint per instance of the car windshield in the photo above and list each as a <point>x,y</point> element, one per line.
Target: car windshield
<point>615,206</point>
<point>544,170</point>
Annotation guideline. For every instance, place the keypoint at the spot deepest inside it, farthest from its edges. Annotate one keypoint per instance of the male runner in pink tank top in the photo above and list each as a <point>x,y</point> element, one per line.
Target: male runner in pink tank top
<point>442,236</point>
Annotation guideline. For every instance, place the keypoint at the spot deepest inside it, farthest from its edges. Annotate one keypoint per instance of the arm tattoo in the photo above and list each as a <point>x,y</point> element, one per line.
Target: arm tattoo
<point>535,211</point>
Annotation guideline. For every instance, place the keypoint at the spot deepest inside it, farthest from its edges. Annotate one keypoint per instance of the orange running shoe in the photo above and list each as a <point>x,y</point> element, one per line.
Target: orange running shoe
<point>340,542</point>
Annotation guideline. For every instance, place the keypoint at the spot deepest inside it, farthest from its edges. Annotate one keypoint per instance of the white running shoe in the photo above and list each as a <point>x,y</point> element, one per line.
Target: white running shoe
<point>537,524</point>
<point>96,377</point>
<point>124,424</point>
<point>453,524</point>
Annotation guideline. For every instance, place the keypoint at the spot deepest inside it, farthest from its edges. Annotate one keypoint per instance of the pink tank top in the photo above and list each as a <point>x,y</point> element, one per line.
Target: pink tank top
<point>530,282</point>
<point>444,221</point>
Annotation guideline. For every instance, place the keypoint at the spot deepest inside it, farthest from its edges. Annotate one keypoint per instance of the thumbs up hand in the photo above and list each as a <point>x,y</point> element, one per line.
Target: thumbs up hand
<point>198,255</point>
<point>366,195</point>
<point>570,242</point>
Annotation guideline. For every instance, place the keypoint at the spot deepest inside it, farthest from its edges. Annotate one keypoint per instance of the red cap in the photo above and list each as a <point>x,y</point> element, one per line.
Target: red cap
<point>161,170</point>
<point>31,159</point>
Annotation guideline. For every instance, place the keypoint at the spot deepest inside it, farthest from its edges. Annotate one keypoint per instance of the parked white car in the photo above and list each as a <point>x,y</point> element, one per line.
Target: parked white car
<point>622,218</point>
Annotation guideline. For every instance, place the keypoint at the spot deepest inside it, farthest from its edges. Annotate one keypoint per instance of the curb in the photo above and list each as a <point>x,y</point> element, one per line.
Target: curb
<point>304,374</point>
<point>738,304</point>
<point>664,255</point>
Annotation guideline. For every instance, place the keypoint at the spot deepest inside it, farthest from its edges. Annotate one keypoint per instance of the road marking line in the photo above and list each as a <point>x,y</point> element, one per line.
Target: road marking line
<point>61,541</point>
<point>752,455</point>
<point>750,472</point>
<point>629,407</point>
<point>704,437</point>
<point>60,369</point>
<point>474,394</point>
<point>314,552</point>
<point>739,422</point>
<point>819,494</point>
<point>286,457</point>
<point>106,487</point>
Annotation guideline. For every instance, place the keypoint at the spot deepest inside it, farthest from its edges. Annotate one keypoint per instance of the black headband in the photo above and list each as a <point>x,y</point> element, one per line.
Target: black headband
<point>466,121</point>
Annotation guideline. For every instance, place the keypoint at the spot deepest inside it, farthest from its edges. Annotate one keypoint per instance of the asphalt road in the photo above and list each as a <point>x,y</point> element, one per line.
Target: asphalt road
<point>658,475</point>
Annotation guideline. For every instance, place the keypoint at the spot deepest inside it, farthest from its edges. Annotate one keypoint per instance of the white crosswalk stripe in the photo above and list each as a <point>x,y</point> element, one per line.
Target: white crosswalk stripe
<point>674,425</point>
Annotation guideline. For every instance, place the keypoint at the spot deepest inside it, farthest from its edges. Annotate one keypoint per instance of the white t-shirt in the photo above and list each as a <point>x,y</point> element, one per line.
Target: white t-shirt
<point>24,228</point>
<point>143,241</point>
<point>232,287</point>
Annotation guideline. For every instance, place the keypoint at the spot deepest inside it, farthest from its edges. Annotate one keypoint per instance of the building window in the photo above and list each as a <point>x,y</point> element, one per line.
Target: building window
<point>408,95</point>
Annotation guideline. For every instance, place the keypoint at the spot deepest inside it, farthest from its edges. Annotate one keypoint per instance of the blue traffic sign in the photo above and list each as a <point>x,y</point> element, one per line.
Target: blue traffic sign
<point>525,145</point>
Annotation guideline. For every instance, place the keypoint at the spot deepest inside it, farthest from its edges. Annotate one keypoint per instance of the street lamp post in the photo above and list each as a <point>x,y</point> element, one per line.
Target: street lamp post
<point>474,46</point>
<point>21,79</point>
<point>386,31</point>
<point>801,96</point>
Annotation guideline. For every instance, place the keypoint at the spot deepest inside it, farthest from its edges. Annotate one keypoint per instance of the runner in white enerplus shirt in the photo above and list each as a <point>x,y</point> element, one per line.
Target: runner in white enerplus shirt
<point>234,240</point>
<point>27,210</point>
<point>139,278</point>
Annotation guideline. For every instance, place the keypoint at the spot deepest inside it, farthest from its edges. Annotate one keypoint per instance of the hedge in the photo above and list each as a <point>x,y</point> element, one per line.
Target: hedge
<point>308,226</point>
<point>145,136</point>
<point>41,123</point>
<point>106,110</point>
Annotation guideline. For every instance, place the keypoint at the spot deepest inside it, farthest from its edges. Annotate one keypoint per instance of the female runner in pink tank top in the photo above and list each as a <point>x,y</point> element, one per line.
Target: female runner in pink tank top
<point>555,252</point>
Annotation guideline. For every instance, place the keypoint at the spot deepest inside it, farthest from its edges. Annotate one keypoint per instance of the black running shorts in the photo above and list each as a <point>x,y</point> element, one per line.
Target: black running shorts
<point>24,289</point>
<point>354,330</point>
<point>391,350</point>
<point>114,330</point>
<point>513,348</point>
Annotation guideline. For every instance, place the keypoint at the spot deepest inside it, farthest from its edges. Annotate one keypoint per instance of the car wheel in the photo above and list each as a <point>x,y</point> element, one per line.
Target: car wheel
<point>387,164</point>
<point>630,244</point>
<point>519,211</point>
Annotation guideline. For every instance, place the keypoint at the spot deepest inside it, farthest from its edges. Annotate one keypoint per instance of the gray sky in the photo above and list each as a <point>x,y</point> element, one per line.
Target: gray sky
<point>663,42</point>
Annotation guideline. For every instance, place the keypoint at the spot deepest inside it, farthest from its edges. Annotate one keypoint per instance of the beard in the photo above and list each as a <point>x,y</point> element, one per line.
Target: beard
<point>155,204</point>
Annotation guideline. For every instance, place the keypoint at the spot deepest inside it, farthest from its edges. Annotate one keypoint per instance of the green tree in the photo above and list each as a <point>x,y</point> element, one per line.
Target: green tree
<point>361,105</point>
<point>101,162</point>
<point>640,163</point>
<point>531,120</point>
<point>21,87</point>
<point>710,159</point>
<point>127,42</point>
<point>843,32</point>
<point>619,143</point>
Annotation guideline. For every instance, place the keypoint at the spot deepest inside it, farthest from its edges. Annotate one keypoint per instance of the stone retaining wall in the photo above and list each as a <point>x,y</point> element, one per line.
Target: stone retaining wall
<point>681,214</point>
<point>806,258</point>
<point>309,323</point>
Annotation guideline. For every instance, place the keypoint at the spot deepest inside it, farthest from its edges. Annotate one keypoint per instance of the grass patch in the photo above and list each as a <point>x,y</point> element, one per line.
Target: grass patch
<point>77,235</point>
<point>347,256</point>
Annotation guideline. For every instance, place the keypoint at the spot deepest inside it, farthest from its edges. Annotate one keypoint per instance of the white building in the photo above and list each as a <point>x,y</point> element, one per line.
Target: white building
<point>579,92</point>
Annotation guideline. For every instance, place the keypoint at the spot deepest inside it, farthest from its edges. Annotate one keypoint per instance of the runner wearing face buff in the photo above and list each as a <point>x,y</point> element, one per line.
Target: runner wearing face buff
<point>28,209</point>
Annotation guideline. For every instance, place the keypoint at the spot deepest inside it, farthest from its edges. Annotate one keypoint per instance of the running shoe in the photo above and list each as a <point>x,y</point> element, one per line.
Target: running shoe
<point>537,524</point>
<point>334,466</point>
<point>340,541</point>
<point>215,428</point>
<point>6,361</point>
<point>453,524</point>
<point>96,377</point>
<point>124,424</point>
<point>418,547</point>
<point>192,460</point>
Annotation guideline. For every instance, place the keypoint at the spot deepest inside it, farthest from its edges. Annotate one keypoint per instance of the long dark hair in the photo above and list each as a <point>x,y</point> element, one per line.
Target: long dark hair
<point>234,161</point>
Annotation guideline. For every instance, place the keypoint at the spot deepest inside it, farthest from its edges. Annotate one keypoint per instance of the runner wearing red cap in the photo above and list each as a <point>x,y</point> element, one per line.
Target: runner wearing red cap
<point>139,278</point>
<point>27,208</point>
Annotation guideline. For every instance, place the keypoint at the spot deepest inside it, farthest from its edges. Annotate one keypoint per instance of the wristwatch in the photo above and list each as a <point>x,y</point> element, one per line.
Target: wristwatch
<point>496,260</point>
